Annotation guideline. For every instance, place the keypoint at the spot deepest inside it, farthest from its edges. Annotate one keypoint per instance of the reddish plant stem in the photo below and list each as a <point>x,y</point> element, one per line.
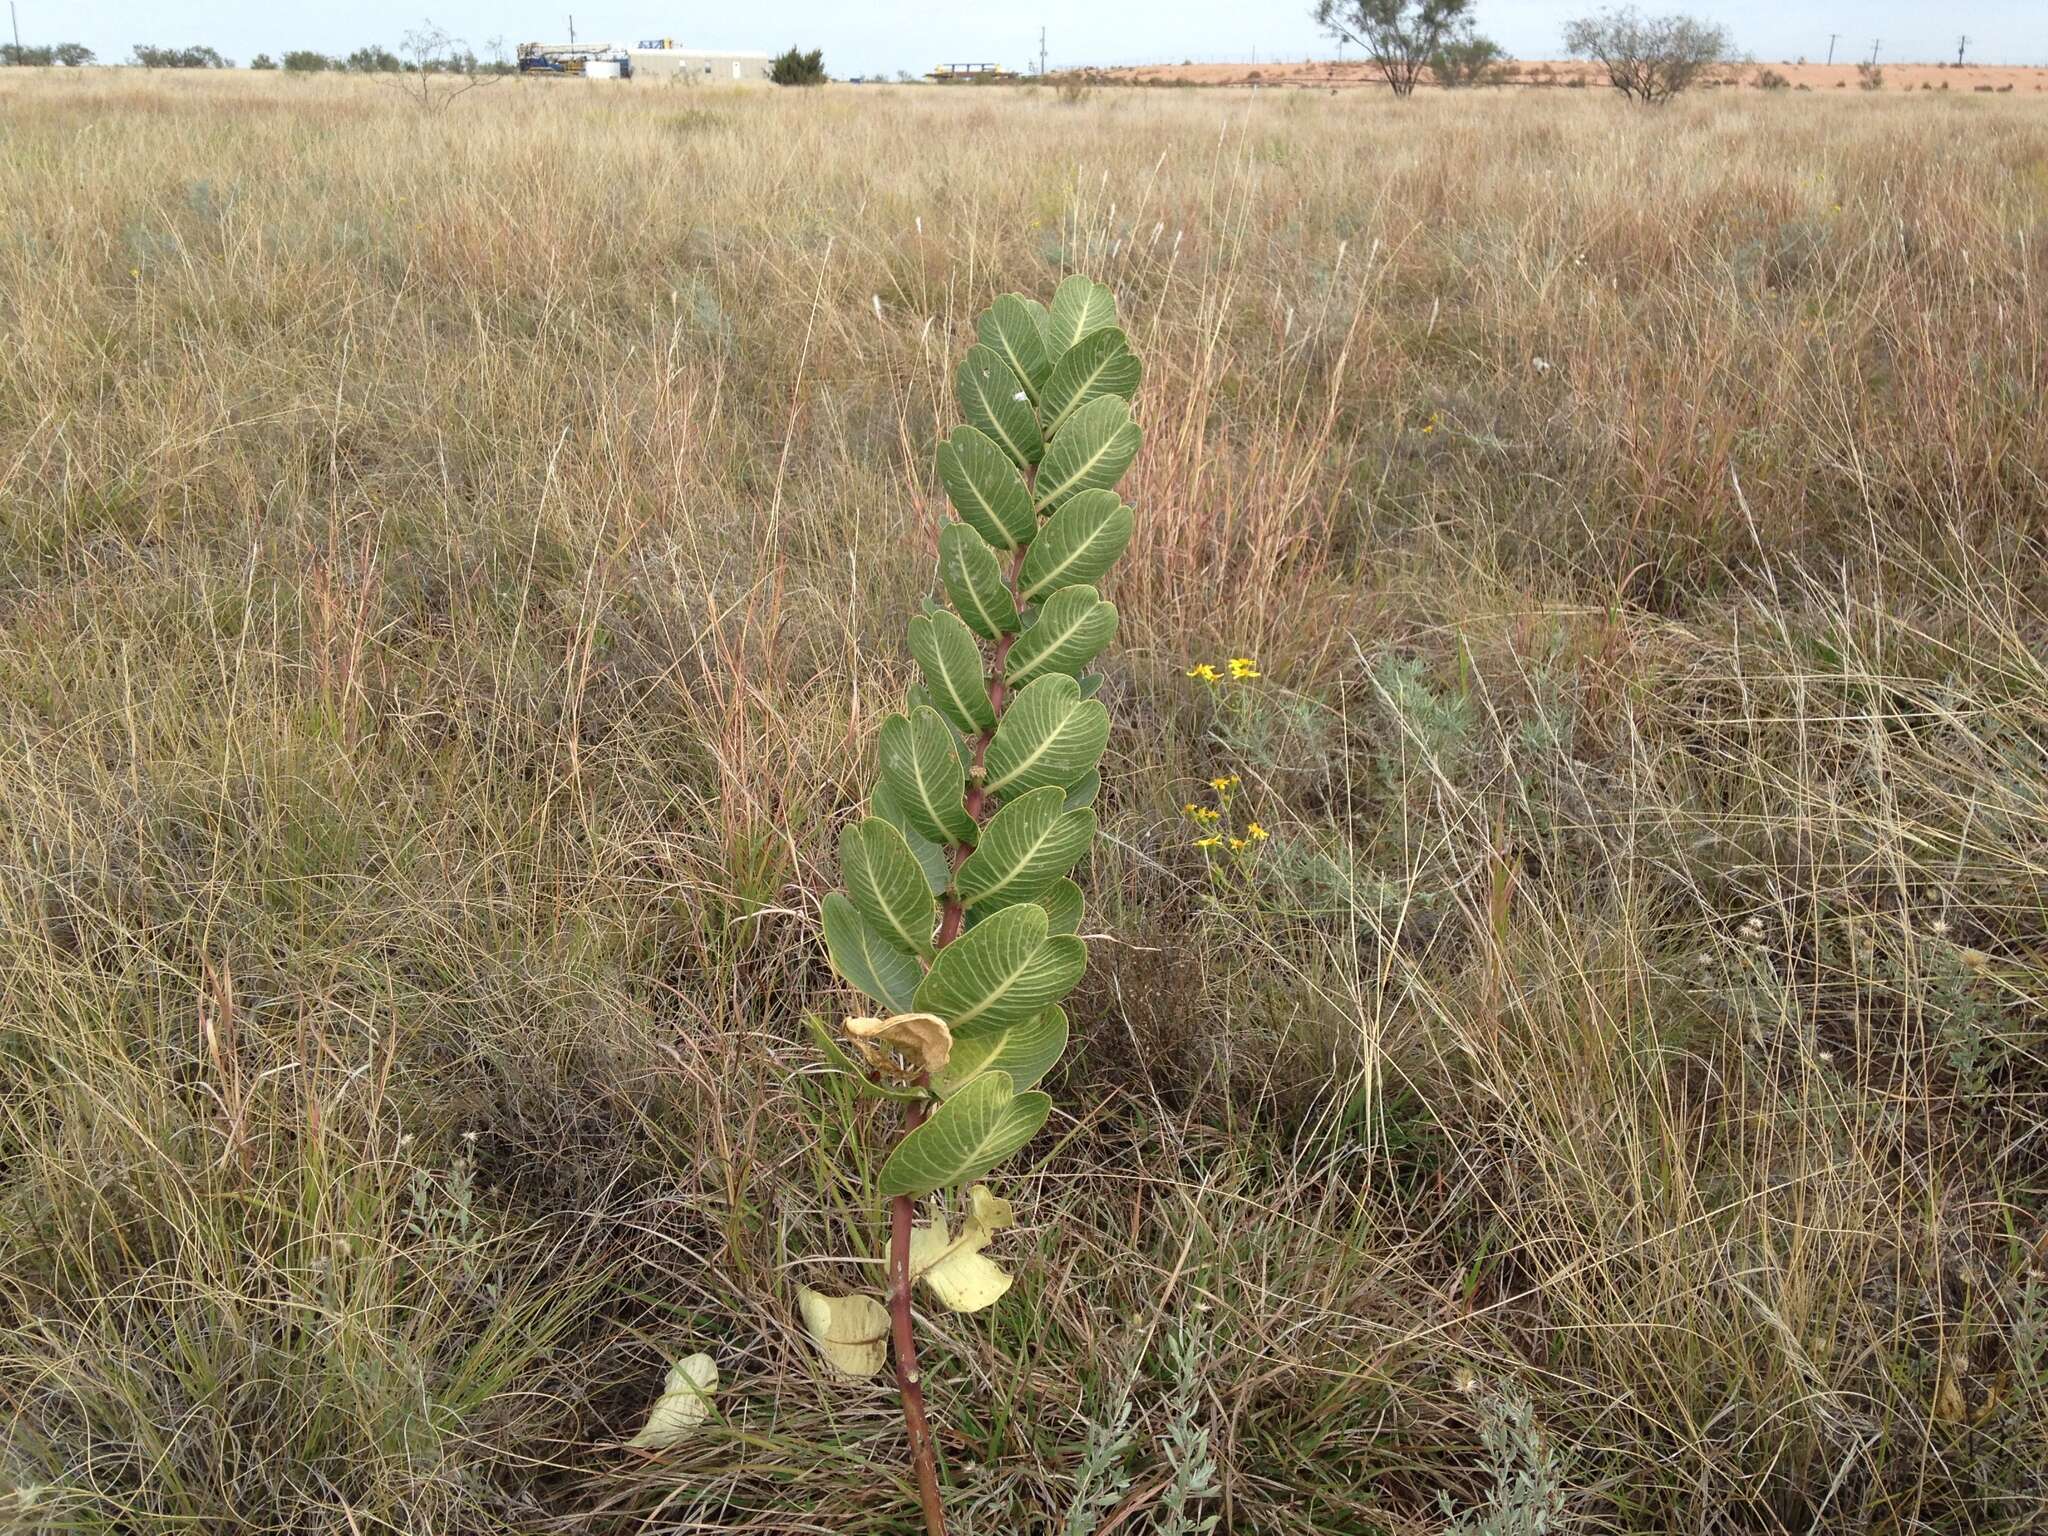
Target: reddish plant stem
<point>902,1209</point>
<point>909,1384</point>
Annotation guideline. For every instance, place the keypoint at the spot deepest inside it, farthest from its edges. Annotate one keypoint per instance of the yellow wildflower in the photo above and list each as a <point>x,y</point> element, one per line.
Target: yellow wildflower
<point>1241,668</point>
<point>1255,832</point>
<point>1224,786</point>
<point>1206,673</point>
<point>1207,842</point>
<point>1206,813</point>
<point>1238,845</point>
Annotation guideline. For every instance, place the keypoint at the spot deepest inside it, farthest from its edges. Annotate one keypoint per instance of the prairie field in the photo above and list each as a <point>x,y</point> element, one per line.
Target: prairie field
<point>453,564</point>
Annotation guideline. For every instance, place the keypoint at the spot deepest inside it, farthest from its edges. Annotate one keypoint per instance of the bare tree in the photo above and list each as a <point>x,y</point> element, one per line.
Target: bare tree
<point>438,68</point>
<point>1648,58</point>
<point>1399,36</point>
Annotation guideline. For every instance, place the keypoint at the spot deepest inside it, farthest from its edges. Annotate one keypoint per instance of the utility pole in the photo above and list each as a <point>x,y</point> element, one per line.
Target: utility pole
<point>1831,46</point>
<point>11,16</point>
<point>1961,44</point>
<point>572,29</point>
<point>1041,53</point>
<point>1873,51</point>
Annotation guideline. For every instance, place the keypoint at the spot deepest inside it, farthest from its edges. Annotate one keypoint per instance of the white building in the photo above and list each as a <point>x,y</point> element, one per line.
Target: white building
<point>658,60</point>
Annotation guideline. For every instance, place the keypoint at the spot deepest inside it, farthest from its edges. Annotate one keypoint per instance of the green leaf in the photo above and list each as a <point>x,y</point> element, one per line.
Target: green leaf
<point>952,664</point>
<point>1001,972</point>
<point>1078,544</point>
<point>842,1060</point>
<point>867,960</point>
<point>1049,735</point>
<point>994,399</point>
<point>917,697</point>
<point>1011,330</point>
<point>986,489</point>
<point>1099,364</point>
<point>1074,624</point>
<point>1041,317</point>
<point>921,766</point>
<point>886,884</point>
<point>974,580</point>
<point>967,1135</point>
<point>1084,790</point>
<point>1091,452</point>
<point>1063,907</point>
<point>931,858</point>
<point>1026,1051</point>
<point>1026,846</point>
<point>1079,305</point>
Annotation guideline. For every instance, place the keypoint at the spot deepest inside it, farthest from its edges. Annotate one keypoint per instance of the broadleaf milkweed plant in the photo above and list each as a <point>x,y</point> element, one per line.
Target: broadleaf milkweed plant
<point>960,917</point>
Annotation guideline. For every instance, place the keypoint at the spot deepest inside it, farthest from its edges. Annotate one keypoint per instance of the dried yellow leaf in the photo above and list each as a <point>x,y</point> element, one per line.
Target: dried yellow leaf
<point>954,1269</point>
<point>922,1038</point>
<point>851,1331</point>
<point>685,1402</point>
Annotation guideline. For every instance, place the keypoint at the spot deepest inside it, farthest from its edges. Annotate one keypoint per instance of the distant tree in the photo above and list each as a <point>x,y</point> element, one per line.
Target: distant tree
<point>1468,59</point>
<point>73,55</point>
<point>263,61</point>
<point>307,61</point>
<point>798,68</point>
<point>196,57</point>
<point>1648,58</point>
<point>26,54</point>
<point>1399,36</point>
<point>372,60</point>
<point>1870,77</point>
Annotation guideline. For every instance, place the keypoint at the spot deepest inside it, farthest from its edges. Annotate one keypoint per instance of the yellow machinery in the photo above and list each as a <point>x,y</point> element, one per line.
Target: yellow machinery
<point>970,74</point>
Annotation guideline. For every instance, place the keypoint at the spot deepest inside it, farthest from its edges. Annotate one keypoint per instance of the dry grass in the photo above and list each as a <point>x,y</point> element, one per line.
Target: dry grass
<point>450,566</point>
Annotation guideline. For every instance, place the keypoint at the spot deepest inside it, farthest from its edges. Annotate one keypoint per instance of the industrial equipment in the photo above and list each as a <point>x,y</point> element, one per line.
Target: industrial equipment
<point>594,61</point>
<point>970,74</point>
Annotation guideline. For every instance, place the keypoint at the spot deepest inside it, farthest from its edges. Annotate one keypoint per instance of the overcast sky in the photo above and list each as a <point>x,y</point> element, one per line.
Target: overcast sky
<point>886,35</point>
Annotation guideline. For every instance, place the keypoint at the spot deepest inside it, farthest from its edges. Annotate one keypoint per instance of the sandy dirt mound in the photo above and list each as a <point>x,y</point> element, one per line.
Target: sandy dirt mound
<point>1820,77</point>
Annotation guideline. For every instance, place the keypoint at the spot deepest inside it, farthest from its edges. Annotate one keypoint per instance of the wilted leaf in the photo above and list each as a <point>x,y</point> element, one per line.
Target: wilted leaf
<point>838,1057</point>
<point>851,1331</point>
<point>685,1402</point>
<point>955,1270</point>
<point>922,1038</point>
